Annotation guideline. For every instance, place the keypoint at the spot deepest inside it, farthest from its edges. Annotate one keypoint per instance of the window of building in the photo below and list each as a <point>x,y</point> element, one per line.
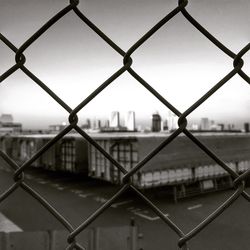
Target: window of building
<point>68,155</point>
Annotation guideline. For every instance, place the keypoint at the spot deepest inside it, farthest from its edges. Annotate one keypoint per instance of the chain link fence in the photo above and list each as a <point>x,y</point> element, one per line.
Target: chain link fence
<point>126,56</point>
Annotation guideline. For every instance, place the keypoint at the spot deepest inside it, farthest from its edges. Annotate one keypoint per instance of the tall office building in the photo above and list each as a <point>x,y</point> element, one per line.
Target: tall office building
<point>114,119</point>
<point>165,125</point>
<point>88,123</point>
<point>106,124</point>
<point>246,127</point>
<point>156,122</point>
<point>175,122</point>
<point>195,126</point>
<point>221,126</point>
<point>130,121</point>
<point>172,120</point>
<point>99,124</point>
<point>205,124</point>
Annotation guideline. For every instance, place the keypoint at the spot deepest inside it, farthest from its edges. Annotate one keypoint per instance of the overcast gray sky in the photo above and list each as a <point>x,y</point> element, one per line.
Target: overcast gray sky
<point>72,60</point>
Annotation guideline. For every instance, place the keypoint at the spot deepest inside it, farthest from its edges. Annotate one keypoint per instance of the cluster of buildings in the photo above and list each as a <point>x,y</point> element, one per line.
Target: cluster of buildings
<point>114,124</point>
<point>210,125</point>
<point>169,124</point>
<point>127,123</point>
<point>205,125</point>
<point>158,124</point>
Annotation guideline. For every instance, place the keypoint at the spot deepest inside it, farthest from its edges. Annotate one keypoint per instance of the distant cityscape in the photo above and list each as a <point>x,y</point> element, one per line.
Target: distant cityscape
<point>127,124</point>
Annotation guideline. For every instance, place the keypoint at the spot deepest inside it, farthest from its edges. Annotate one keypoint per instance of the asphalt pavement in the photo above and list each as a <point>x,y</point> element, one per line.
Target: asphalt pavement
<point>76,198</point>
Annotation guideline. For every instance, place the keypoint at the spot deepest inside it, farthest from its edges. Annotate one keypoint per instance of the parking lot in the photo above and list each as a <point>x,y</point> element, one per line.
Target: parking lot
<point>76,198</point>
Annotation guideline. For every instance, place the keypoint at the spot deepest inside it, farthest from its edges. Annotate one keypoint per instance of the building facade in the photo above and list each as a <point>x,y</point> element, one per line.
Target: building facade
<point>181,167</point>
<point>114,119</point>
<point>205,124</point>
<point>130,121</point>
<point>156,123</point>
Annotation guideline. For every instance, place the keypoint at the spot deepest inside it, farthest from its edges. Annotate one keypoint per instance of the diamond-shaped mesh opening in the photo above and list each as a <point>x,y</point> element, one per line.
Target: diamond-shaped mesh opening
<point>16,98</point>
<point>230,108</point>
<point>78,82</point>
<point>119,97</point>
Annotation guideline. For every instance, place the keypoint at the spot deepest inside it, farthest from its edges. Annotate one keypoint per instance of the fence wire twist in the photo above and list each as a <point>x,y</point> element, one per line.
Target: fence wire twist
<point>19,176</point>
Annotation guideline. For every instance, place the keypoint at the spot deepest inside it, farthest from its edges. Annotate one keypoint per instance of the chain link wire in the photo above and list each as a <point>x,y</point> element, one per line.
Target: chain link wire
<point>19,175</point>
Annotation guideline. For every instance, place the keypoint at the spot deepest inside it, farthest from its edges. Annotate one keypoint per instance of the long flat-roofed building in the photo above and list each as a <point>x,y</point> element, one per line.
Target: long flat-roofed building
<point>181,167</point>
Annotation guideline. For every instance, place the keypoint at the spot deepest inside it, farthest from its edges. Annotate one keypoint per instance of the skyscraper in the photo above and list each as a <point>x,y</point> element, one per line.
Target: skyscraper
<point>205,124</point>
<point>172,121</point>
<point>130,121</point>
<point>246,127</point>
<point>156,122</point>
<point>106,124</point>
<point>165,125</point>
<point>115,119</point>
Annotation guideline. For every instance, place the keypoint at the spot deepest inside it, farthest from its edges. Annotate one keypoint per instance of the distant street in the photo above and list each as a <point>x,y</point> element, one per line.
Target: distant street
<point>76,199</point>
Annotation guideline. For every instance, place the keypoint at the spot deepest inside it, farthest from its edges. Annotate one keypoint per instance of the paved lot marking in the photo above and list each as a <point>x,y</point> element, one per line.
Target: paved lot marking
<point>136,210</point>
<point>76,191</point>
<point>115,205</point>
<point>55,185</point>
<point>42,182</point>
<point>100,199</point>
<point>131,208</point>
<point>58,186</point>
<point>7,225</point>
<point>194,207</point>
<point>85,195</point>
<point>147,217</point>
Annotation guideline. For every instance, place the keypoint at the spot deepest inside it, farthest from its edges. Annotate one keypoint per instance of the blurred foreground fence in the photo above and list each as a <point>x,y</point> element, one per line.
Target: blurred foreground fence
<point>112,238</point>
<point>126,61</point>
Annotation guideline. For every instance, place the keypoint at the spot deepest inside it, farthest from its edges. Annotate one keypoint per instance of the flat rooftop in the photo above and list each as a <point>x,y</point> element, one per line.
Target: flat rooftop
<point>121,135</point>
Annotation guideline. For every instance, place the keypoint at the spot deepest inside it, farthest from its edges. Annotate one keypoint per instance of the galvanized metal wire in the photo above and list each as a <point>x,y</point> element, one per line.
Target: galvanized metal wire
<point>126,56</point>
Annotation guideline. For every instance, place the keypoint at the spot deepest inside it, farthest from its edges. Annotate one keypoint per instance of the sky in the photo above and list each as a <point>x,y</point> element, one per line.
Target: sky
<point>178,61</point>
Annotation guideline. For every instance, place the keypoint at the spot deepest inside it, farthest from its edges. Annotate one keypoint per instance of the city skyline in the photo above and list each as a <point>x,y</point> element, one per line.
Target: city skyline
<point>162,123</point>
<point>177,61</point>
<point>128,122</point>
